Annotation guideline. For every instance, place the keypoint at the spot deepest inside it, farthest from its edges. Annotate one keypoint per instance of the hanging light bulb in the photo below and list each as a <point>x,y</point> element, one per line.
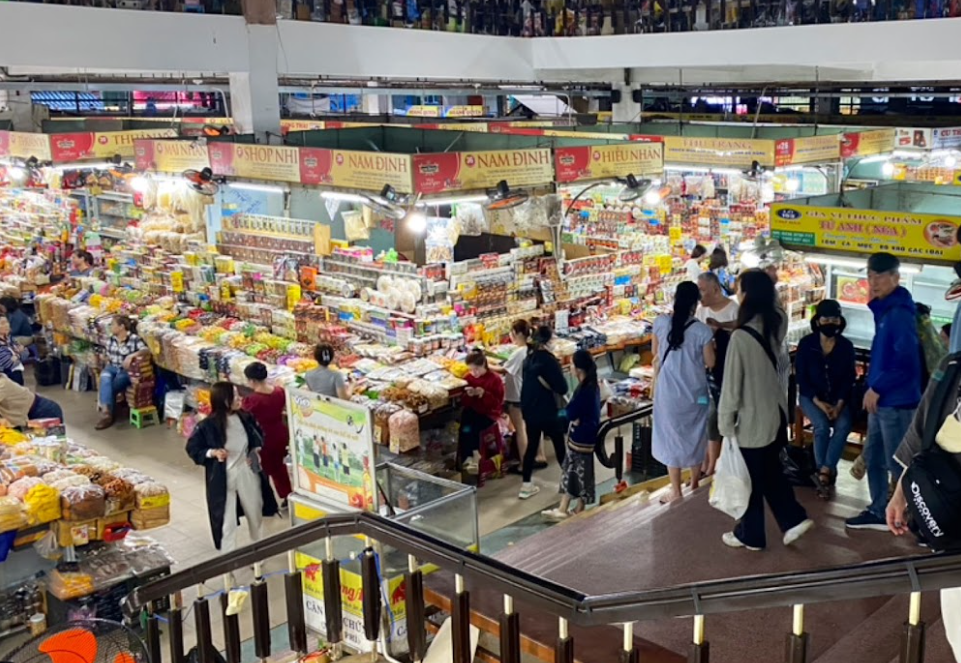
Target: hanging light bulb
<point>140,184</point>
<point>792,185</point>
<point>887,169</point>
<point>416,223</point>
<point>652,197</point>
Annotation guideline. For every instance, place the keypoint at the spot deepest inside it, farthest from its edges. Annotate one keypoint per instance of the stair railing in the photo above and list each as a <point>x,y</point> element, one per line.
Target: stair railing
<point>696,600</point>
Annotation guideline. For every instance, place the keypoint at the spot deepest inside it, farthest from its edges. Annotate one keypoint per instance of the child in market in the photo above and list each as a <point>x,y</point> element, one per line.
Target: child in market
<point>584,413</point>
<point>483,403</point>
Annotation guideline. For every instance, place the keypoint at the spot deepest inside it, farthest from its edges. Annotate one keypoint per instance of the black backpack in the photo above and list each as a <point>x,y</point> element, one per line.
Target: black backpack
<point>932,483</point>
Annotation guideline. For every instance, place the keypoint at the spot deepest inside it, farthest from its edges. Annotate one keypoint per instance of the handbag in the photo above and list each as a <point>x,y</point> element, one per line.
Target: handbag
<point>560,400</point>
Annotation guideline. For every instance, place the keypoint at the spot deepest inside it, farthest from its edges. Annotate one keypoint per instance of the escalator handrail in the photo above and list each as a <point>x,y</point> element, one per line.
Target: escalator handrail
<point>600,445</point>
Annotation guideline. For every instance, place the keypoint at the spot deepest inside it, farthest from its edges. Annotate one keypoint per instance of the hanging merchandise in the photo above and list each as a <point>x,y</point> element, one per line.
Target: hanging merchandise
<point>471,218</point>
<point>355,227</point>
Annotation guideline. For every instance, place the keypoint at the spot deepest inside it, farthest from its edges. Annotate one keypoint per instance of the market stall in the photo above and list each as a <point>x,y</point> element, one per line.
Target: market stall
<point>916,222</point>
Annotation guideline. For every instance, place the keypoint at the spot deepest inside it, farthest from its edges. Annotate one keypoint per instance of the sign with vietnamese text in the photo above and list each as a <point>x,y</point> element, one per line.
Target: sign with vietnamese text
<point>928,237</point>
<point>595,162</point>
<point>729,152</point>
<point>466,171</point>
<point>812,149</point>
<point>256,162</point>
<point>867,143</point>
<point>369,171</point>
<point>170,156</point>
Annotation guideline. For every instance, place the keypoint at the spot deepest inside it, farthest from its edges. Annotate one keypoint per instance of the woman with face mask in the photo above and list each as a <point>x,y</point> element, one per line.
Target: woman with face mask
<point>825,368</point>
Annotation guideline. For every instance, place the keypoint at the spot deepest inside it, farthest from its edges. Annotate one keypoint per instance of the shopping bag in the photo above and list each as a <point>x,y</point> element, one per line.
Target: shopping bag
<point>731,489</point>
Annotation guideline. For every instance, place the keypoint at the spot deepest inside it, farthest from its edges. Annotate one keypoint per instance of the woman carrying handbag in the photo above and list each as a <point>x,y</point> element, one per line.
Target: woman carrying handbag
<point>227,444</point>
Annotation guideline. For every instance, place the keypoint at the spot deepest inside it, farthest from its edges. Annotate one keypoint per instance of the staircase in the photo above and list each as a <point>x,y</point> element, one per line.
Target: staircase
<point>639,544</point>
<point>626,581</point>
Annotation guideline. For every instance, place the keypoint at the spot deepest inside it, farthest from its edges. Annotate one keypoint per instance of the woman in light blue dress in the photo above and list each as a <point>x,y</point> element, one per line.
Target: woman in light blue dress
<point>683,349</point>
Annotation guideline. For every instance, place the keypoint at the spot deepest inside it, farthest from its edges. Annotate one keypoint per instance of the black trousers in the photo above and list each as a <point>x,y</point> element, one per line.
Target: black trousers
<point>552,428</point>
<point>472,424</point>
<point>768,483</point>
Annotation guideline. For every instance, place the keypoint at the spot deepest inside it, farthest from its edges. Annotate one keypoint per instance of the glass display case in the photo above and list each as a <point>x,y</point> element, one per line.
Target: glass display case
<point>849,285</point>
<point>443,509</point>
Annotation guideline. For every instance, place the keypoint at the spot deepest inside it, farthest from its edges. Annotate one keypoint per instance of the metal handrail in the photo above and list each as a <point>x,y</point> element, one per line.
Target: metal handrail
<point>877,578</point>
<point>615,461</point>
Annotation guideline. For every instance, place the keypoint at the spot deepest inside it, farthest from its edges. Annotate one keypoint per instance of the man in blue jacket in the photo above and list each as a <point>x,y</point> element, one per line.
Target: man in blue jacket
<point>894,383</point>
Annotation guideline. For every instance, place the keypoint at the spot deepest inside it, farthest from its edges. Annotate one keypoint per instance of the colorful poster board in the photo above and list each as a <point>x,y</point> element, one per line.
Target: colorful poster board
<point>928,237</point>
<point>355,170</point>
<point>332,445</point>
<point>720,152</point>
<point>472,171</point>
<point>573,164</point>
<point>170,156</point>
<point>867,143</point>
<point>256,162</point>
<point>813,149</point>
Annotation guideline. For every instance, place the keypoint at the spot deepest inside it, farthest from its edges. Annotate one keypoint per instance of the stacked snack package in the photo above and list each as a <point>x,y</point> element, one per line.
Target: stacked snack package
<point>140,393</point>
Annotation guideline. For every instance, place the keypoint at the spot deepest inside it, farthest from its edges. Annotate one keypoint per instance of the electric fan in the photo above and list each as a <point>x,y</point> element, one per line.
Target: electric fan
<point>769,251</point>
<point>633,188</point>
<point>88,641</point>
<point>388,203</point>
<point>753,172</point>
<point>503,198</point>
<point>213,131</point>
<point>201,181</point>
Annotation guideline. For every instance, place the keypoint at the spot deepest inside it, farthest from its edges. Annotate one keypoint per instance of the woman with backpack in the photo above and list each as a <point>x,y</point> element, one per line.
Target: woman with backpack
<point>683,347</point>
<point>542,394</point>
<point>753,410</point>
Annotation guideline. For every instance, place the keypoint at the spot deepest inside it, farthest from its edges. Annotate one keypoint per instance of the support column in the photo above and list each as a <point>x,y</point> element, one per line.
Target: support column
<point>376,104</point>
<point>255,94</point>
<point>626,110</point>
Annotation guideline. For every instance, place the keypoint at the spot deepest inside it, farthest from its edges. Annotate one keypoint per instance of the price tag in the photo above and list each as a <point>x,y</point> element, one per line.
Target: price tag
<point>177,281</point>
<point>675,234</point>
<point>665,263</point>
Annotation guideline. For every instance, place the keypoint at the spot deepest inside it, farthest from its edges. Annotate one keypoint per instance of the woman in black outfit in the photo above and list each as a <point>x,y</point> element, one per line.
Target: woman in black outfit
<point>544,384</point>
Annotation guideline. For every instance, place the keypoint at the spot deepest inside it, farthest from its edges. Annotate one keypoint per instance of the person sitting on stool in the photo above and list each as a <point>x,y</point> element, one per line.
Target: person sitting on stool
<point>123,348</point>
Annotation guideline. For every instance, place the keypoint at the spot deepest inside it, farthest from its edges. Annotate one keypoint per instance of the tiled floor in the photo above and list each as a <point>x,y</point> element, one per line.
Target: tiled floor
<point>159,452</point>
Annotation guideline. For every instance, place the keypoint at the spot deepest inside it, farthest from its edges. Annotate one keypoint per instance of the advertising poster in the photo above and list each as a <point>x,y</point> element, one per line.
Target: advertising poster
<point>332,444</point>
<point>170,156</point>
<point>256,162</point>
<point>913,137</point>
<point>573,164</point>
<point>867,143</point>
<point>721,152</point>
<point>929,237</point>
<point>65,148</point>
<point>467,171</point>
<point>355,170</point>
<point>813,149</point>
<point>352,593</point>
<point>26,145</point>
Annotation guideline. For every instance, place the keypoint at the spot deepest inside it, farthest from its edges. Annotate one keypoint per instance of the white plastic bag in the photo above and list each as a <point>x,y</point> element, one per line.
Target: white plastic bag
<point>731,488</point>
<point>607,393</point>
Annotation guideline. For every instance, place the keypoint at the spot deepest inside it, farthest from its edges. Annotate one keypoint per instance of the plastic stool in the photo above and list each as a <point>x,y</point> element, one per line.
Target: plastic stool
<point>145,416</point>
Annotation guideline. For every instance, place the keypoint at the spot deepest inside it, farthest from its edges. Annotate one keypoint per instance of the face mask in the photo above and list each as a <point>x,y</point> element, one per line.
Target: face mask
<point>830,330</point>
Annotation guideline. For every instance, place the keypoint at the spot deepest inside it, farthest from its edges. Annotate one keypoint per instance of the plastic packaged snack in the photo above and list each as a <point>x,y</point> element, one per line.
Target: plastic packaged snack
<point>83,502</point>
<point>404,431</point>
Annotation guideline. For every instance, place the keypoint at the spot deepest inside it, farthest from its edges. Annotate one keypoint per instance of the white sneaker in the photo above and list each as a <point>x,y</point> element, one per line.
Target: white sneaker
<point>528,490</point>
<point>470,466</point>
<point>730,539</point>
<point>798,531</point>
<point>554,515</point>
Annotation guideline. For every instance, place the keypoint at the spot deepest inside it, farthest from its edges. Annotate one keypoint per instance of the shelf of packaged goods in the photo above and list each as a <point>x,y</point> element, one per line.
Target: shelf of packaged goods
<point>112,233</point>
<point>380,271</point>
<point>115,197</point>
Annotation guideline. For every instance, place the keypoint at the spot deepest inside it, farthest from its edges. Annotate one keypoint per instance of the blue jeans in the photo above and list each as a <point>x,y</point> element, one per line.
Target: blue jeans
<point>44,408</point>
<point>886,429</point>
<point>113,380</point>
<point>828,444</point>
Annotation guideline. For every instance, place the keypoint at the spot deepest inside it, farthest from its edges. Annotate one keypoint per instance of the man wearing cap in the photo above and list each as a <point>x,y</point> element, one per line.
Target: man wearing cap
<point>894,383</point>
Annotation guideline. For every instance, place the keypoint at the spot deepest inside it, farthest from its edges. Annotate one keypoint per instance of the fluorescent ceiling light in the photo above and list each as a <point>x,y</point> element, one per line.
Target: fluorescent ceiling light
<point>453,200</point>
<point>85,165</point>
<point>342,196</point>
<point>853,263</point>
<point>249,186</point>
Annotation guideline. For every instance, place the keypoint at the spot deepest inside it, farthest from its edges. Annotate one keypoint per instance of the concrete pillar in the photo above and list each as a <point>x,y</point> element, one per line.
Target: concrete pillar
<point>627,110</point>
<point>375,104</point>
<point>255,94</point>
